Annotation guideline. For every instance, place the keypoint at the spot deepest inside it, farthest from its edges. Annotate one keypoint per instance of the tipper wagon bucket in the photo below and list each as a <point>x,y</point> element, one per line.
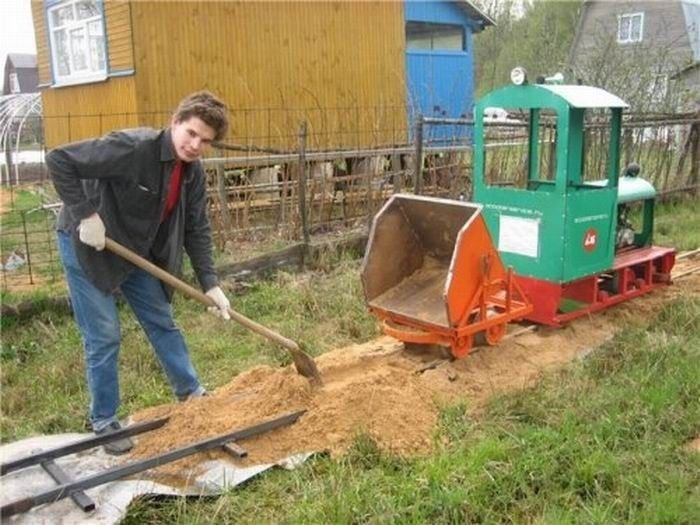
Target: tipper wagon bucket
<point>432,275</point>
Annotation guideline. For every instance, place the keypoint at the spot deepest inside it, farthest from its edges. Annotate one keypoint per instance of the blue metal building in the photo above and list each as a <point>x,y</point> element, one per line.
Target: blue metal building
<point>440,60</point>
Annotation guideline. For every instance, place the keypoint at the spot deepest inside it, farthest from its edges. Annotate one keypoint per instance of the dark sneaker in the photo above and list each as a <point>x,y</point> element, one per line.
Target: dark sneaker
<point>200,392</point>
<point>118,446</point>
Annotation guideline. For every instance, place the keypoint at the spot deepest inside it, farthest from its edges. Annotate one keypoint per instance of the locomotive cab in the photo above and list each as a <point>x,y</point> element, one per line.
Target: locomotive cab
<point>555,203</point>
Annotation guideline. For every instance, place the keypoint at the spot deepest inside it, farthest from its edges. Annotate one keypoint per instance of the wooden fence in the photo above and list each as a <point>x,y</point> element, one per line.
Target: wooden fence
<point>256,193</point>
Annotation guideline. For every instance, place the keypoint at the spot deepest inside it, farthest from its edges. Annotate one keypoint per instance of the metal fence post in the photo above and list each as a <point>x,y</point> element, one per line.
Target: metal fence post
<point>26,247</point>
<point>418,166</point>
<point>302,183</point>
<point>223,200</point>
<point>694,157</point>
<point>8,164</point>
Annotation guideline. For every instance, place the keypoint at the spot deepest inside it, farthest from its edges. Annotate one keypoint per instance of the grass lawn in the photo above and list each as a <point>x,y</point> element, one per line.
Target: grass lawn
<point>601,441</point>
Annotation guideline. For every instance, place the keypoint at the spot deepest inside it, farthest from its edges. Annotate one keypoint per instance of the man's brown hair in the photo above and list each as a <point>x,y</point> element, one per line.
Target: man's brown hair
<point>207,107</point>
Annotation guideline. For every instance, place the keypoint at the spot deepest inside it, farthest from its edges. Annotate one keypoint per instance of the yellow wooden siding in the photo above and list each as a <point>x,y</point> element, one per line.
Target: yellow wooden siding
<point>42,45</point>
<point>119,42</point>
<point>89,110</point>
<point>339,65</point>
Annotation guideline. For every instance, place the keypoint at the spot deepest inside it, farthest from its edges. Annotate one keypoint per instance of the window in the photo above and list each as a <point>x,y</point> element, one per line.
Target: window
<point>14,83</point>
<point>630,28</point>
<point>423,35</point>
<point>76,33</point>
<point>507,148</point>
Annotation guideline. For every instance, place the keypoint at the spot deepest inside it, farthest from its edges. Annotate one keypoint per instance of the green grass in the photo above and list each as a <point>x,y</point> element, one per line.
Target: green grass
<point>26,228</point>
<point>678,224</point>
<point>321,310</point>
<point>600,442</point>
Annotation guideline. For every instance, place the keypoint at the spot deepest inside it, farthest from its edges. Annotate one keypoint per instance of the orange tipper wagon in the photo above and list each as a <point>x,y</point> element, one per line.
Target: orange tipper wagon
<point>432,275</point>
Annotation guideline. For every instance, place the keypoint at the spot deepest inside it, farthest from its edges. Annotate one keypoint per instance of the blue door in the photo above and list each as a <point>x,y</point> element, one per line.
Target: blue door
<point>439,66</point>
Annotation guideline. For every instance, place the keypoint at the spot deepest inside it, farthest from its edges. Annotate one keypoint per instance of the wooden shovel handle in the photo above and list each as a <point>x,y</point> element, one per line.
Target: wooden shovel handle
<point>193,293</point>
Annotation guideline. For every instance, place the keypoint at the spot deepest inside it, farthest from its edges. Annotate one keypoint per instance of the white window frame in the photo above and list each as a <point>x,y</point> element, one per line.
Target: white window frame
<point>75,76</point>
<point>14,83</point>
<point>628,38</point>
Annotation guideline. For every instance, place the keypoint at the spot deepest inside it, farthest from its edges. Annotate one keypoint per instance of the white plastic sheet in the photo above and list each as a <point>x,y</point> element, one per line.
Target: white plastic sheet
<point>111,499</point>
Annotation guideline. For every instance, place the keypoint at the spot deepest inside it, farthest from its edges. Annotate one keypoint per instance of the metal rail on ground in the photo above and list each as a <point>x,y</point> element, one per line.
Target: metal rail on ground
<point>68,489</point>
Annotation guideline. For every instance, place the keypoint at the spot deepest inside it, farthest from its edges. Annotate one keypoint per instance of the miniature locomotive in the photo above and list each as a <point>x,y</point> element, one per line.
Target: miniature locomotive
<point>549,243</point>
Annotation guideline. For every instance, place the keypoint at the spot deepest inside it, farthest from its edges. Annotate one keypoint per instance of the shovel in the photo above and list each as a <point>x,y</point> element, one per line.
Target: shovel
<point>303,362</point>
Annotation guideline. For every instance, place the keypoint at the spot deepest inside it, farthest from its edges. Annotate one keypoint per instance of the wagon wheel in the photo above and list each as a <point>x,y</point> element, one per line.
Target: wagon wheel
<point>461,346</point>
<point>493,334</point>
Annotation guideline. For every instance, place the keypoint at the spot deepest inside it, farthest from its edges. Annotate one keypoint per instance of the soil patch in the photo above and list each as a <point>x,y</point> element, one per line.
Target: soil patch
<point>5,200</point>
<point>694,446</point>
<point>381,389</point>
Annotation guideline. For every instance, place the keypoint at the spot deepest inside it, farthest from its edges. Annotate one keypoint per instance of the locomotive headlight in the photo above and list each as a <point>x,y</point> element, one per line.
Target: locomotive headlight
<point>518,76</point>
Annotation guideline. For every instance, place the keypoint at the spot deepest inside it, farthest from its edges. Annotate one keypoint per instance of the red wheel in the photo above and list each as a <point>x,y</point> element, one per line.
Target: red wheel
<point>495,333</point>
<point>461,347</point>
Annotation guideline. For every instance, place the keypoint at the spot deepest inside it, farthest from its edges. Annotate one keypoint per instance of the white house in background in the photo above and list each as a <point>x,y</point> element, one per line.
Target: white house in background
<point>20,74</point>
<point>650,44</point>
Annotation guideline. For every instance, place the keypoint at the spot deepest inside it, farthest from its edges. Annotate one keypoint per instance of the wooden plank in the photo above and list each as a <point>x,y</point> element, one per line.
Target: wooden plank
<point>258,267</point>
<point>119,42</point>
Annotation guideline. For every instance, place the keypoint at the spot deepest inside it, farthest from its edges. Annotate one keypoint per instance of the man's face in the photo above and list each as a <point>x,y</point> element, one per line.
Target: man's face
<point>191,138</point>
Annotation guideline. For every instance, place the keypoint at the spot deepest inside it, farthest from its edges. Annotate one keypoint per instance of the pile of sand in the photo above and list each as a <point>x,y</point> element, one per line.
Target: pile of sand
<point>379,388</point>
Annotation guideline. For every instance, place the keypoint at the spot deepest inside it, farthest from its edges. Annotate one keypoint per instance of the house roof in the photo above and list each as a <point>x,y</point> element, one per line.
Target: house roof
<point>687,68</point>
<point>474,12</point>
<point>691,14</point>
<point>22,60</point>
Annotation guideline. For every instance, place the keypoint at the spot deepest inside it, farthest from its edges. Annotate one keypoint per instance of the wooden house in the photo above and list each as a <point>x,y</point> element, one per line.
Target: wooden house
<point>357,72</point>
<point>646,44</point>
<point>20,74</point>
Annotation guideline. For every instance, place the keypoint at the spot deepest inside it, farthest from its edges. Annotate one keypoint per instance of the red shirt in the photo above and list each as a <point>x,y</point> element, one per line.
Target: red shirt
<point>173,190</point>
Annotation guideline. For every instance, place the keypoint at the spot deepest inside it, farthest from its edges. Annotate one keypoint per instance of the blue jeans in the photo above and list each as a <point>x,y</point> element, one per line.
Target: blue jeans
<point>98,319</point>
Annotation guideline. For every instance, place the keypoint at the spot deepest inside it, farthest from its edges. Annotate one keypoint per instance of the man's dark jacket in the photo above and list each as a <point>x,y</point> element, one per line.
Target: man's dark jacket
<point>124,177</point>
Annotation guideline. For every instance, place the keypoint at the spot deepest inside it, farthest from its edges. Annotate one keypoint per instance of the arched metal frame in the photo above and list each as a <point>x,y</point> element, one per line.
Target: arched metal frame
<point>12,107</point>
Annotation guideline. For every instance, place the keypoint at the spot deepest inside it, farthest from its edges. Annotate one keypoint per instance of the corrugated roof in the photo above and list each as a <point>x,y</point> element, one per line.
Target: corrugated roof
<point>474,12</point>
<point>22,60</point>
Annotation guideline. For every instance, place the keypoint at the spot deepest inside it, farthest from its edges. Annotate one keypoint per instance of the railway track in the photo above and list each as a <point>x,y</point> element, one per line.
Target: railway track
<point>690,265</point>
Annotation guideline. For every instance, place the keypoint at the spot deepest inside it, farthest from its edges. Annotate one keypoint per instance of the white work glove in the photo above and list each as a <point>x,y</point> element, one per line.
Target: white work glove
<point>222,303</point>
<point>92,232</point>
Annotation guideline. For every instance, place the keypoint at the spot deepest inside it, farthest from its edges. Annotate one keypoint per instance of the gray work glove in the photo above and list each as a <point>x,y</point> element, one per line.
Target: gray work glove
<point>92,232</point>
<point>222,303</point>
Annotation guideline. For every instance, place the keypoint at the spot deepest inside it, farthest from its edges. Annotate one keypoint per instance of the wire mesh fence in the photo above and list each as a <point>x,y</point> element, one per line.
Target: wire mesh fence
<point>293,174</point>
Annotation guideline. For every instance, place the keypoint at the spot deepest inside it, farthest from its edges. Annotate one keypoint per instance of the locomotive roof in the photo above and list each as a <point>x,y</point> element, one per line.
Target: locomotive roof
<point>544,95</point>
<point>585,96</point>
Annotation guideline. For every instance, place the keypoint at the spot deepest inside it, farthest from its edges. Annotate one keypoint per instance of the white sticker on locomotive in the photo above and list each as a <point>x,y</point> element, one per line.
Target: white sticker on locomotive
<point>519,235</point>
